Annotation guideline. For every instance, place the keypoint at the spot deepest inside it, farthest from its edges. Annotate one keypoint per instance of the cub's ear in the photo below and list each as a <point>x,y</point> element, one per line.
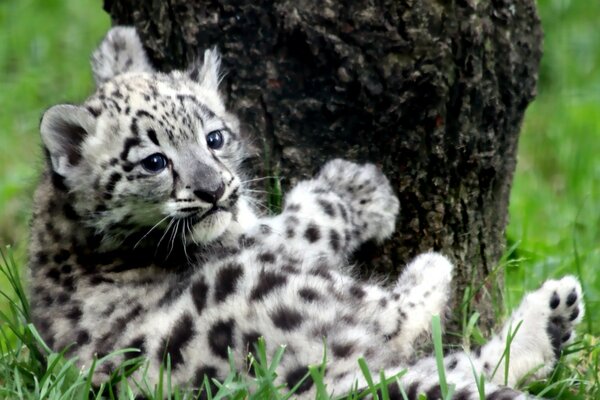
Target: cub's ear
<point>120,51</point>
<point>63,129</point>
<point>208,73</point>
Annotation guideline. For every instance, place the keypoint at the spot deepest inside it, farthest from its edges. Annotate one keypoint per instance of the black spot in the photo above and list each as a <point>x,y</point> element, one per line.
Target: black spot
<point>220,337</point>
<point>74,313</point>
<point>152,136</point>
<point>343,212</point>
<point>137,343</point>
<point>180,335</point>
<point>295,376</point>
<point>246,241</point>
<point>357,291</point>
<point>308,294</point>
<point>342,350</point>
<point>172,293</point>
<point>95,280</point>
<point>68,283</point>
<point>327,207</point>
<point>463,394</point>
<point>394,392</point>
<point>129,143</point>
<point>334,240</point>
<point>292,207</point>
<point>286,318</point>
<point>266,257</point>
<point>250,339</point>
<point>312,233</point>
<point>452,364</point>
<point>503,394</point>
<point>265,229</point>
<point>134,127</point>
<point>226,281</point>
<point>69,212</point>
<point>66,269</point>
<point>41,257</point>
<point>82,337</point>
<point>114,178</point>
<point>267,282</point>
<point>62,298</point>
<point>412,391</point>
<point>209,372</point>
<point>53,274</point>
<point>94,111</point>
<point>290,269</point>
<point>199,292</point>
<point>322,271</point>
<point>572,298</point>
<point>61,256</point>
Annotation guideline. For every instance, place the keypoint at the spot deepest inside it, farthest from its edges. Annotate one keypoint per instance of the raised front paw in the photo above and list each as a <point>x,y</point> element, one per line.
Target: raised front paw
<point>368,193</point>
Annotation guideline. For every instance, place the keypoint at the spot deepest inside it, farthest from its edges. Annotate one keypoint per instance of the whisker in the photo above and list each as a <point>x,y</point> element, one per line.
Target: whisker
<point>257,191</point>
<point>184,239</point>
<point>173,237</point>
<point>151,229</point>
<point>261,179</point>
<point>164,233</point>
<point>259,204</point>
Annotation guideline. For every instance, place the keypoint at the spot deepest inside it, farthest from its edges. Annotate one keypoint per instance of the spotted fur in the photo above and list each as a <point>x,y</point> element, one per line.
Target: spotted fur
<point>174,262</point>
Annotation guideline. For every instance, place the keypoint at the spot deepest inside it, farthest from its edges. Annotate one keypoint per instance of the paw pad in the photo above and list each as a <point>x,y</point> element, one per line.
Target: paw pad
<point>566,310</point>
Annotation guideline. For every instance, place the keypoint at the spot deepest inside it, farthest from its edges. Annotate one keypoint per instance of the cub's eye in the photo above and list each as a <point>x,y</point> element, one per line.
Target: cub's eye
<point>155,163</point>
<point>215,140</point>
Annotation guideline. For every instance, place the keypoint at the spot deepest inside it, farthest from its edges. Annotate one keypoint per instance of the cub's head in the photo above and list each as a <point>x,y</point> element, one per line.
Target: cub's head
<point>148,151</point>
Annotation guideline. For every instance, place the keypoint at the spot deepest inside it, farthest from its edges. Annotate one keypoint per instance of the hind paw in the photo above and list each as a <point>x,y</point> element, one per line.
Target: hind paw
<point>564,301</point>
<point>541,327</point>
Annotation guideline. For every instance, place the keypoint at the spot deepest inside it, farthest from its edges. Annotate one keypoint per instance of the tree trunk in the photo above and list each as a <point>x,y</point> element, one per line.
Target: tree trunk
<point>432,91</point>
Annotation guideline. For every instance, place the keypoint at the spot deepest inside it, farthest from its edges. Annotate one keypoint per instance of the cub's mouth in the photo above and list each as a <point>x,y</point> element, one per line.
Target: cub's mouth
<point>195,215</point>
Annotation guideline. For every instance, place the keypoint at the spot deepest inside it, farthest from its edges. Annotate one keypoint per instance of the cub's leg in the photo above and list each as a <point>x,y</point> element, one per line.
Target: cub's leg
<point>422,291</point>
<point>402,314</point>
<point>325,218</point>
<point>542,325</point>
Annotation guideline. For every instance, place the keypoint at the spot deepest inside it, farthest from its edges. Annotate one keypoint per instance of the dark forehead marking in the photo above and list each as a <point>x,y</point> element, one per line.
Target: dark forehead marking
<point>144,113</point>
<point>129,143</point>
<point>152,136</point>
<point>205,110</point>
<point>94,111</point>
<point>134,127</point>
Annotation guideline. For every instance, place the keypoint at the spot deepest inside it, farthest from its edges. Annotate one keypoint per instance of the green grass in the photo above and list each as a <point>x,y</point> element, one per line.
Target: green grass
<point>555,203</point>
<point>44,50</point>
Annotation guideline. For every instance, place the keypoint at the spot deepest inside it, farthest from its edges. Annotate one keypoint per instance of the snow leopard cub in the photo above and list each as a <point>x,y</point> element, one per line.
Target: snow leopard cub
<point>143,237</point>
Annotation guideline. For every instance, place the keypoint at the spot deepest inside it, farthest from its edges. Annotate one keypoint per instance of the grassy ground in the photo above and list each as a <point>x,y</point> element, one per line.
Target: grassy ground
<point>555,204</point>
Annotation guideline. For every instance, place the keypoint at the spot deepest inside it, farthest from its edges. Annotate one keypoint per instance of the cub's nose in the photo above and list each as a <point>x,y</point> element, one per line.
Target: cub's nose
<point>211,197</point>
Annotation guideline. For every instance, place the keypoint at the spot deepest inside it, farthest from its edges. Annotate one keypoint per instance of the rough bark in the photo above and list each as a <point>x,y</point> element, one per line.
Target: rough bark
<point>432,91</point>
